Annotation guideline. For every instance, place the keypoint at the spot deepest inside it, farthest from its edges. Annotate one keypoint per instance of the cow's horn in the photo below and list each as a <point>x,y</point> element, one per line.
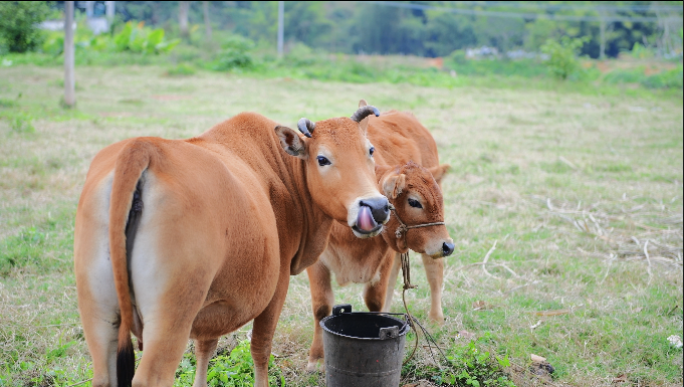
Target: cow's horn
<point>364,112</point>
<point>306,126</point>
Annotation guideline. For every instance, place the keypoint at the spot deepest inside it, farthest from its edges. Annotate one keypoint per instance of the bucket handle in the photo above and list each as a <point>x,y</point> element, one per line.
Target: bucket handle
<point>389,333</point>
<point>342,308</point>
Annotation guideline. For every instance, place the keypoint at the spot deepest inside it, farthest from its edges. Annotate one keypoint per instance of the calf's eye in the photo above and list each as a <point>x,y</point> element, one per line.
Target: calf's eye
<point>371,150</point>
<point>322,161</point>
<point>415,203</point>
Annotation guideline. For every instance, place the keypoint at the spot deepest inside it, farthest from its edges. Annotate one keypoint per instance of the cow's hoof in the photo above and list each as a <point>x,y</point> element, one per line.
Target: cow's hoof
<point>437,318</point>
<point>312,366</point>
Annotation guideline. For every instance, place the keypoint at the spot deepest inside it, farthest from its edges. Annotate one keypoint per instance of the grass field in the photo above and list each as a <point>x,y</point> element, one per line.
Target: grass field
<point>574,198</point>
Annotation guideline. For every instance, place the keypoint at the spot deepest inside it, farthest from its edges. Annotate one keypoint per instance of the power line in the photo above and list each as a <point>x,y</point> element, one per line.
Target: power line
<point>524,15</point>
<point>599,7</point>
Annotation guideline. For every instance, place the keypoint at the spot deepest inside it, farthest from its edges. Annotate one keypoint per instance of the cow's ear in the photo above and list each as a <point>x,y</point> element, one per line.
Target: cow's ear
<point>381,170</point>
<point>292,142</point>
<point>363,125</point>
<point>439,171</point>
<point>393,184</point>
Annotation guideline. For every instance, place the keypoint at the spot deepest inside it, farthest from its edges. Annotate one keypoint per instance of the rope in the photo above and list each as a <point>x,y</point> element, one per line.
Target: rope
<point>403,228</point>
<point>406,272</point>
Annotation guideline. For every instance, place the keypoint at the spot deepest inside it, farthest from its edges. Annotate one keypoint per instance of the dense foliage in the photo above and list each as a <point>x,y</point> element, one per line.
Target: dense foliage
<point>358,27</point>
<point>18,24</point>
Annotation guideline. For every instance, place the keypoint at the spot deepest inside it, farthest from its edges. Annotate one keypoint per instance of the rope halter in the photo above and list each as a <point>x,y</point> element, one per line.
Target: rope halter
<point>403,228</point>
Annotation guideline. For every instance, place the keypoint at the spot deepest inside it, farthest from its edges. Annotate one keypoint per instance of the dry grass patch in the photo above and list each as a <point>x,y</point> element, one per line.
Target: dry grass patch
<point>582,196</point>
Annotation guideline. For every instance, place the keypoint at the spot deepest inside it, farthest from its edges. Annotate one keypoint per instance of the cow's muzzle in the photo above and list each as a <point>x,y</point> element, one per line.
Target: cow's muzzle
<point>372,214</point>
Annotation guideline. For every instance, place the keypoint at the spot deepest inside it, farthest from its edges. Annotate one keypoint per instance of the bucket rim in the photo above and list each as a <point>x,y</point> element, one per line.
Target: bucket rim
<point>405,327</point>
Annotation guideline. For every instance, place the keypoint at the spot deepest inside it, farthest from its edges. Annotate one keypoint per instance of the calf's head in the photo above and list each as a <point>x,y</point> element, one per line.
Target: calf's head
<point>340,170</point>
<point>417,198</point>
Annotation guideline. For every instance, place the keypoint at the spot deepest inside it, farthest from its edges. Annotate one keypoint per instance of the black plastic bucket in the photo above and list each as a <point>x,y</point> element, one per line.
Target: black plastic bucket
<point>363,349</point>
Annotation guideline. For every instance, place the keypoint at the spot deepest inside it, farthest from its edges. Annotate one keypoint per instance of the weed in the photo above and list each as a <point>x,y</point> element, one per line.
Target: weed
<point>22,123</point>
<point>181,69</point>
<point>467,365</point>
<point>7,103</point>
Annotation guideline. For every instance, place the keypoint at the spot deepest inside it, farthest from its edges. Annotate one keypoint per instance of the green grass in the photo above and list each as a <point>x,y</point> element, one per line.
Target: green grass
<point>570,180</point>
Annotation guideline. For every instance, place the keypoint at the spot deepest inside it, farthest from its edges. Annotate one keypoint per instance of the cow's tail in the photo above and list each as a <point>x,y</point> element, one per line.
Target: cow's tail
<point>124,214</point>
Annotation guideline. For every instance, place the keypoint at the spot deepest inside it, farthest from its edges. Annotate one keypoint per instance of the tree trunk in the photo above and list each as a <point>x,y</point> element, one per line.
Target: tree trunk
<point>207,22</point>
<point>69,73</point>
<point>183,8</point>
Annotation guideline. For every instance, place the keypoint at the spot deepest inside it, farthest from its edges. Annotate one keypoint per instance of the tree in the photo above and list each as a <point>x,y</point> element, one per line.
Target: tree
<point>18,24</point>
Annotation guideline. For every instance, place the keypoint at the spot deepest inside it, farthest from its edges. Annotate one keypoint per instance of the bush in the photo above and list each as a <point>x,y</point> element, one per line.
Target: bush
<point>670,79</point>
<point>140,39</point>
<point>18,24</point>
<point>234,54</point>
<point>562,56</point>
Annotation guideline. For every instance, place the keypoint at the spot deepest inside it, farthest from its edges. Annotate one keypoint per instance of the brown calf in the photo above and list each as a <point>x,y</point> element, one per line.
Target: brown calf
<point>179,239</point>
<point>415,193</point>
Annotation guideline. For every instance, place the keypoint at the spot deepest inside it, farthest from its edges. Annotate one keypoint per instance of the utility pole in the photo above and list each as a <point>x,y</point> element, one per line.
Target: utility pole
<point>90,8</point>
<point>602,54</point>
<point>281,27</point>
<point>69,73</point>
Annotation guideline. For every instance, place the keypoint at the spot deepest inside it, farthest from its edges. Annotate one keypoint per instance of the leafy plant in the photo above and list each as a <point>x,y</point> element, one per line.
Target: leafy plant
<point>563,56</point>
<point>19,24</point>
<point>234,370</point>
<point>140,39</point>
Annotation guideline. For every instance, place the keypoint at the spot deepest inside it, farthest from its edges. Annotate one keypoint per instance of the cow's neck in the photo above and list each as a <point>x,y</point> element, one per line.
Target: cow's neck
<point>315,225</point>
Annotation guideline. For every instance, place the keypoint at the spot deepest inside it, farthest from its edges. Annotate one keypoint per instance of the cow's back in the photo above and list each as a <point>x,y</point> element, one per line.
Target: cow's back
<point>401,138</point>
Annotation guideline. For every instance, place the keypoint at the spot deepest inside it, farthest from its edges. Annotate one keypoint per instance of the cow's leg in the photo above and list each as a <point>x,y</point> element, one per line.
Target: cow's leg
<point>99,326</point>
<point>204,349</point>
<point>374,293</point>
<point>434,268</point>
<point>97,301</point>
<point>392,281</point>
<point>322,299</point>
<point>264,328</point>
<point>169,298</point>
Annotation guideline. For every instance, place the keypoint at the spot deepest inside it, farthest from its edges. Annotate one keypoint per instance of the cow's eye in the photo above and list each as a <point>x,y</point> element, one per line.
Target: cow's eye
<point>323,161</point>
<point>371,150</point>
<point>415,203</point>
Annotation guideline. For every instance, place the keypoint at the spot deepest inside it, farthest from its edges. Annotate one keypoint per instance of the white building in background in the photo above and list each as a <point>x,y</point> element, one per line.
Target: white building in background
<point>99,15</point>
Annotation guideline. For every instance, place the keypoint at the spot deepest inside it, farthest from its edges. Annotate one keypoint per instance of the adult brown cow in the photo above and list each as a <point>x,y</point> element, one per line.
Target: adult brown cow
<point>415,193</point>
<point>179,239</point>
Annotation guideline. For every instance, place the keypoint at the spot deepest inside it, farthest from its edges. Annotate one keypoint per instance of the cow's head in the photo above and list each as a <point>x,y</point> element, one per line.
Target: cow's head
<point>340,170</point>
<point>417,198</point>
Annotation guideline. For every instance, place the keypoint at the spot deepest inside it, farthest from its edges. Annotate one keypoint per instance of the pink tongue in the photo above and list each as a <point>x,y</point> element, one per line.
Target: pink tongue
<point>366,222</point>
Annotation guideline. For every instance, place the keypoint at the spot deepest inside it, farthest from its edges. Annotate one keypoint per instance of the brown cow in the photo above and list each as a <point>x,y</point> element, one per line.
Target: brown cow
<point>415,193</point>
<point>179,239</point>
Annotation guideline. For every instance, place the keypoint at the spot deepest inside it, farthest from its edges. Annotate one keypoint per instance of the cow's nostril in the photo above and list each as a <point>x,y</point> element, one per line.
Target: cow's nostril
<point>447,248</point>
<point>379,208</point>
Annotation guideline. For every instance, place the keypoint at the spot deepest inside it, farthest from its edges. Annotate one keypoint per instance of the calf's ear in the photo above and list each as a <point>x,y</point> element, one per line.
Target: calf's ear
<point>292,142</point>
<point>363,103</point>
<point>439,171</point>
<point>393,184</point>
